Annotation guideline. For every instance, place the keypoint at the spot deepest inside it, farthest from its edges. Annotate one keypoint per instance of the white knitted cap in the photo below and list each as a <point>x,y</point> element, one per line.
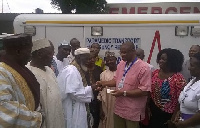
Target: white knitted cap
<point>39,44</point>
<point>64,43</point>
<point>80,51</point>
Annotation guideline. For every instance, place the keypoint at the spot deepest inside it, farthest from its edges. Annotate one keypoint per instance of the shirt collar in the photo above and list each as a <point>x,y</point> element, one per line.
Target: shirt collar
<point>195,85</point>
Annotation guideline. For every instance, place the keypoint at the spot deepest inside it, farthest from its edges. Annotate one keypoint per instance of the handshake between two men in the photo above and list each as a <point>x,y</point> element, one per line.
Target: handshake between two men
<point>102,84</point>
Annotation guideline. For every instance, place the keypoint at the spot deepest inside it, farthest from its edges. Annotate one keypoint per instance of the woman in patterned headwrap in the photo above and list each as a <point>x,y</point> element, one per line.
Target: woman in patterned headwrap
<point>167,84</point>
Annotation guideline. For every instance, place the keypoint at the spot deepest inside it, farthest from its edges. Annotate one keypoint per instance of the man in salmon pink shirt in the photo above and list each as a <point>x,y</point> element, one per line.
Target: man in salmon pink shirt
<point>133,84</point>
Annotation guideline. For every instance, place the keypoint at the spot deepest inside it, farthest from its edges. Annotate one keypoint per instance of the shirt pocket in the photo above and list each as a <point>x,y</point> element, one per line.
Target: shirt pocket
<point>131,81</point>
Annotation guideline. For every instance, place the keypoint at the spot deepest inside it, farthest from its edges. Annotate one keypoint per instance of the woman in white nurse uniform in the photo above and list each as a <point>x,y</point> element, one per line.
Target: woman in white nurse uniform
<point>189,98</point>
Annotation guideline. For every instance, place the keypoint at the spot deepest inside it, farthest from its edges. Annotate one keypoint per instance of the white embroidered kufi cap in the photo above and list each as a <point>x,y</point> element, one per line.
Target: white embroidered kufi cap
<point>64,43</point>
<point>39,44</point>
<point>80,51</point>
<point>109,54</point>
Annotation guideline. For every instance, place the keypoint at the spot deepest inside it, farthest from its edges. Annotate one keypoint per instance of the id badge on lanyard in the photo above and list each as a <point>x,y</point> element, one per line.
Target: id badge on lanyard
<point>121,83</point>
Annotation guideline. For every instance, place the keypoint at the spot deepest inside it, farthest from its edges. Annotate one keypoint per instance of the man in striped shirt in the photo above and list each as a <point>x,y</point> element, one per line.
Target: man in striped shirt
<point>19,89</point>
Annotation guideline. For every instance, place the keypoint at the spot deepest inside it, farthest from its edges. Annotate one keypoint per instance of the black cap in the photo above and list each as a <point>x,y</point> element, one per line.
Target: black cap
<point>17,40</point>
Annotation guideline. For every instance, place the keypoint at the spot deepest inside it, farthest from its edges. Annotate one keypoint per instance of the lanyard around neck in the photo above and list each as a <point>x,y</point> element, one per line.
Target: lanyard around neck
<point>126,71</point>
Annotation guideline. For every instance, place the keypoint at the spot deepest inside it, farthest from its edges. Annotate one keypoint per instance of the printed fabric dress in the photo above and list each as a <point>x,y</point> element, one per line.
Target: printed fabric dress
<point>164,97</point>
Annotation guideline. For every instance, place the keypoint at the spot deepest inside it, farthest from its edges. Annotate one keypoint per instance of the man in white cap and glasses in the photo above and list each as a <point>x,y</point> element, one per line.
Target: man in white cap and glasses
<point>50,97</point>
<point>76,90</point>
<point>61,59</point>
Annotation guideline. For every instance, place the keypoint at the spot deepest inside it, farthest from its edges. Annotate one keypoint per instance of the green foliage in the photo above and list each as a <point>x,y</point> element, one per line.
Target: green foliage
<point>81,6</point>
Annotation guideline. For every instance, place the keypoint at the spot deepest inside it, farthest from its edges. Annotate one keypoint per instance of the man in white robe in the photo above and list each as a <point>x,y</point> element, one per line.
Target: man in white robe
<point>50,97</point>
<point>76,94</point>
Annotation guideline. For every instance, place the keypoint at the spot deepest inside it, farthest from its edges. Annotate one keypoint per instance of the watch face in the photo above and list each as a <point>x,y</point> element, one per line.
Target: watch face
<point>124,93</point>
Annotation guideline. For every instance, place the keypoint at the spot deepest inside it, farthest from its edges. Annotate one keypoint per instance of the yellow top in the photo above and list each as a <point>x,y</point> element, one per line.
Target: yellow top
<point>100,62</point>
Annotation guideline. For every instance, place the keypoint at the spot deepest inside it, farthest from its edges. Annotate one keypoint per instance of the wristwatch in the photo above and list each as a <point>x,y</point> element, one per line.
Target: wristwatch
<point>124,93</point>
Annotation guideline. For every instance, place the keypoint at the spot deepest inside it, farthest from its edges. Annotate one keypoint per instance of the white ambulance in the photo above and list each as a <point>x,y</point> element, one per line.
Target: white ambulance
<point>150,32</point>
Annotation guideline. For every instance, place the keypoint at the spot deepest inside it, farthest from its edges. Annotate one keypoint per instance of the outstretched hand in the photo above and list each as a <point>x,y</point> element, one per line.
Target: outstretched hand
<point>99,83</point>
<point>117,93</point>
<point>96,87</point>
<point>99,86</point>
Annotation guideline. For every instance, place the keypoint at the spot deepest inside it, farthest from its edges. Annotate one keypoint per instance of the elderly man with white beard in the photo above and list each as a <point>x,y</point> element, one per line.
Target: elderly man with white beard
<point>76,90</point>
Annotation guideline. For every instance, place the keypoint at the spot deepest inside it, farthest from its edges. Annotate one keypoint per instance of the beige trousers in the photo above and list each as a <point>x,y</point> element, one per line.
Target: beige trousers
<point>123,123</point>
